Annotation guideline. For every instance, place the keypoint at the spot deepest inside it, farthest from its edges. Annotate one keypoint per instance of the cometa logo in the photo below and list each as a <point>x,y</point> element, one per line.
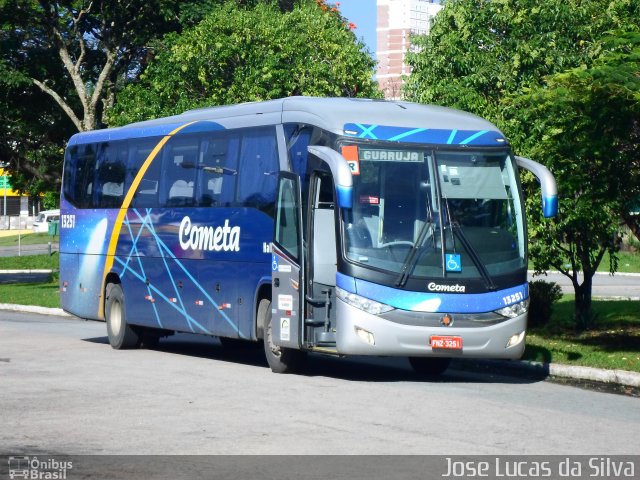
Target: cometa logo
<point>434,287</point>
<point>214,239</point>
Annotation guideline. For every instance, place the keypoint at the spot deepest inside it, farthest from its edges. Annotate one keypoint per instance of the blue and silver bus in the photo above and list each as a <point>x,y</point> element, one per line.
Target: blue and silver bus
<point>331,225</point>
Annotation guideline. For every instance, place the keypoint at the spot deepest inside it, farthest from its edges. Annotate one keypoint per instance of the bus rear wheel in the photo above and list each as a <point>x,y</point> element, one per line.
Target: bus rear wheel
<point>121,334</point>
<point>280,359</point>
<point>429,366</point>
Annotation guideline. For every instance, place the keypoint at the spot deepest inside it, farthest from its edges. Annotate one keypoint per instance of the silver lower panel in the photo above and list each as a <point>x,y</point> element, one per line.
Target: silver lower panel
<point>396,339</point>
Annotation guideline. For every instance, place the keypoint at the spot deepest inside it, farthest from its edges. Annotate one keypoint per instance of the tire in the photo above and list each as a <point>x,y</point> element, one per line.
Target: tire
<point>429,366</point>
<point>121,334</point>
<point>280,359</point>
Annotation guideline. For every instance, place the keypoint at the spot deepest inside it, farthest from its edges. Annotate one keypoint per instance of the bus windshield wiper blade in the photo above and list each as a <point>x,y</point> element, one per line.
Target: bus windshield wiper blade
<point>412,256</point>
<point>457,231</point>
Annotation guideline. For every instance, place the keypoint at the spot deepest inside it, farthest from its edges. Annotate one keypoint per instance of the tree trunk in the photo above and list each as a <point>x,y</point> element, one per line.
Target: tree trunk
<point>583,314</point>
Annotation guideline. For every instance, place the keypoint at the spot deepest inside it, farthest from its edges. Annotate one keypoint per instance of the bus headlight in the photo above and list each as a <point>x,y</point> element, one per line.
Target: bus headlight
<point>514,310</point>
<point>362,303</point>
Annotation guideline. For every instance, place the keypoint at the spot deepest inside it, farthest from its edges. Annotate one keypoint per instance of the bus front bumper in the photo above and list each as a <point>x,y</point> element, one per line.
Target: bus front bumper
<point>360,333</point>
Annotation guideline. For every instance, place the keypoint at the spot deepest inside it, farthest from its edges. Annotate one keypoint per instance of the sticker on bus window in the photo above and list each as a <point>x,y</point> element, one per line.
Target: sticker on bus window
<point>453,262</point>
<point>369,200</point>
<point>350,154</point>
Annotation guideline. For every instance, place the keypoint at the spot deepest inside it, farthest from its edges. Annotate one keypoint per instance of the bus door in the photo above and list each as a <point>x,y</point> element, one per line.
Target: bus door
<point>320,319</point>
<point>287,264</point>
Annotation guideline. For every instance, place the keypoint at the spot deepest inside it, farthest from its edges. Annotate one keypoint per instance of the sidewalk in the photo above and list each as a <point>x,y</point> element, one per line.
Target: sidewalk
<point>502,367</point>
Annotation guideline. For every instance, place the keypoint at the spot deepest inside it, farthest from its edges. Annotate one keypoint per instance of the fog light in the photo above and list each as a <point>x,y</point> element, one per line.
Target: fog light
<point>365,335</point>
<point>515,339</point>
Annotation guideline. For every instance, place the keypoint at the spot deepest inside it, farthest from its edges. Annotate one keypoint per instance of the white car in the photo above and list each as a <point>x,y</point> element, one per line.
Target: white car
<point>41,223</point>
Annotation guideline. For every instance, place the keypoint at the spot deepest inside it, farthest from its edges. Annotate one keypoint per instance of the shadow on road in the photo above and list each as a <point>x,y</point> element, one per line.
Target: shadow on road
<point>357,369</point>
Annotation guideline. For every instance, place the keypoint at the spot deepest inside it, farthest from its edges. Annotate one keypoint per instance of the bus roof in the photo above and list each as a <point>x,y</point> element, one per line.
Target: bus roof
<point>342,116</point>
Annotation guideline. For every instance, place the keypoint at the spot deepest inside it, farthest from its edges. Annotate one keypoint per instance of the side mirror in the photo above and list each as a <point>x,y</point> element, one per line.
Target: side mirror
<point>340,171</point>
<point>547,184</point>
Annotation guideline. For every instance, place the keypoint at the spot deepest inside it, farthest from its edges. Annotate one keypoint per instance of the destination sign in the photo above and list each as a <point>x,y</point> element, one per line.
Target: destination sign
<point>386,155</point>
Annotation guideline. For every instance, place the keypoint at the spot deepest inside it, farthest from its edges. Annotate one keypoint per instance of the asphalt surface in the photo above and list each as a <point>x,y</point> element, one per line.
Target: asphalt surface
<point>66,391</point>
<point>617,381</point>
<point>15,251</point>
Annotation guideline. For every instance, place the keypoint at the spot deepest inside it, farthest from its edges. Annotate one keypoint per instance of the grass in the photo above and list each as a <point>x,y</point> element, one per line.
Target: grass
<point>628,262</point>
<point>27,239</point>
<point>612,343</point>
<point>30,262</point>
<point>40,294</point>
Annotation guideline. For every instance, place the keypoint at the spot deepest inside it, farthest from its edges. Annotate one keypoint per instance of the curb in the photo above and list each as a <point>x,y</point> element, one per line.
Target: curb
<point>575,372</point>
<point>622,274</point>
<point>33,309</point>
<point>12,272</point>
<point>618,377</point>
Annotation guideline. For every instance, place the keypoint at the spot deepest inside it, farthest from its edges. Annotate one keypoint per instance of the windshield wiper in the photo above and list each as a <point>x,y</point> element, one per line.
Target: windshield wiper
<point>456,229</point>
<point>412,256</point>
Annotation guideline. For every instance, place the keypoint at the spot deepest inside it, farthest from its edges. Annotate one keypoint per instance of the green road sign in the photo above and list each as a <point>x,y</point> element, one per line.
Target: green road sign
<point>4,182</point>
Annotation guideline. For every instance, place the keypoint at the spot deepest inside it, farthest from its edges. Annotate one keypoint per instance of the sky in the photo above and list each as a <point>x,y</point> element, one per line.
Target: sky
<point>363,14</point>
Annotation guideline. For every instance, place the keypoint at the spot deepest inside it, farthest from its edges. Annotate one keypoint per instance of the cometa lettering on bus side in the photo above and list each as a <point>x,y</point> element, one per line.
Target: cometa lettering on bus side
<point>210,238</point>
<point>434,287</point>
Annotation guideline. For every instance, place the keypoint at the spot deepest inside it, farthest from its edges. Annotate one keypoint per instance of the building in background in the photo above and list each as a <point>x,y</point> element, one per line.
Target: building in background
<point>397,21</point>
<point>16,209</point>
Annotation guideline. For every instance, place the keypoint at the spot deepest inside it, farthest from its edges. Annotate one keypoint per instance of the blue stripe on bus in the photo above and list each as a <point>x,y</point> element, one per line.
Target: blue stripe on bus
<point>425,135</point>
<point>434,302</point>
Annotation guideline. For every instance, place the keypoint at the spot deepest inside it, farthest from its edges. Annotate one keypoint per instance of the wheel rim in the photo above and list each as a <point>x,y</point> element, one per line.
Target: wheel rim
<point>115,317</point>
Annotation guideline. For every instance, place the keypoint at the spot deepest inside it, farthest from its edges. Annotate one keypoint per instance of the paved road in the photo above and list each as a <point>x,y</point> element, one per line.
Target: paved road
<point>28,250</point>
<point>604,285</point>
<point>64,390</point>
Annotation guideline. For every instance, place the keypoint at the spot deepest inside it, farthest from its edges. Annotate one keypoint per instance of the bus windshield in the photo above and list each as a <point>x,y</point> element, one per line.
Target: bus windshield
<point>425,213</point>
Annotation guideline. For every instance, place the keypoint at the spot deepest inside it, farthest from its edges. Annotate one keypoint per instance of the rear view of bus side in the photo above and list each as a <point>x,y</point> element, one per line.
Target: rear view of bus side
<point>340,226</point>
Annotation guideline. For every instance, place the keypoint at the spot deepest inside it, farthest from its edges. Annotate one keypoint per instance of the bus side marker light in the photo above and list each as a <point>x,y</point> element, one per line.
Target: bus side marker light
<point>173,300</point>
<point>224,305</point>
<point>150,298</point>
<point>199,303</point>
<point>365,335</point>
<point>515,339</point>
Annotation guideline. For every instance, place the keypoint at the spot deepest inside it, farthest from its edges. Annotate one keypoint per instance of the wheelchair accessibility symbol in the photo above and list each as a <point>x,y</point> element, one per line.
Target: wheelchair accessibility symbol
<point>274,263</point>
<point>453,262</point>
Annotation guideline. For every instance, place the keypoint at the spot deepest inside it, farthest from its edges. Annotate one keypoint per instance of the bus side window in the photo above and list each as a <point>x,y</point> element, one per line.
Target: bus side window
<point>258,168</point>
<point>110,175</point>
<point>79,174</point>
<point>179,162</point>
<point>146,195</point>
<point>217,151</point>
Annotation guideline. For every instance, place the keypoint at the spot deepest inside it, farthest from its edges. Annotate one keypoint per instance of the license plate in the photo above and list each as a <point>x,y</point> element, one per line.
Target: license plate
<point>448,343</point>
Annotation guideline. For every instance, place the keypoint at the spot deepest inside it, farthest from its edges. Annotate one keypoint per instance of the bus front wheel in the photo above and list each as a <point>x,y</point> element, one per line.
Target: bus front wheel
<point>121,334</point>
<point>429,366</point>
<point>280,359</point>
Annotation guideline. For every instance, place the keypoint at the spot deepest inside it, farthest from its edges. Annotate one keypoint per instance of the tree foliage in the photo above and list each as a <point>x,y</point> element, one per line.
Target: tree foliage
<point>60,65</point>
<point>585,124</point>
<point>249,54</point>
<point>563,87</point>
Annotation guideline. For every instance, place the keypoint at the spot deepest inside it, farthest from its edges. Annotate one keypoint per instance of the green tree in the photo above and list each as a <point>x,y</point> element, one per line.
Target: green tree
<point>60,65</point>
<point>492,57</point>
<point>249,54</point>
<point>585,124</point>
